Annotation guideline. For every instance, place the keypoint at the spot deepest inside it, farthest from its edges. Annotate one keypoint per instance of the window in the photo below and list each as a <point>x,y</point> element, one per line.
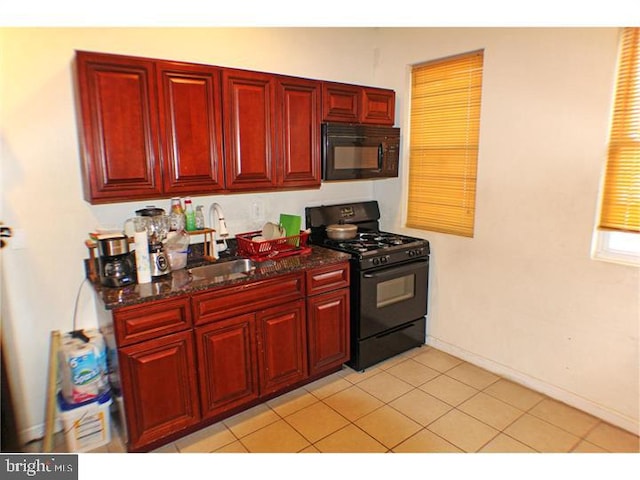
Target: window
<point>445,124</point>
<point>618,235</point>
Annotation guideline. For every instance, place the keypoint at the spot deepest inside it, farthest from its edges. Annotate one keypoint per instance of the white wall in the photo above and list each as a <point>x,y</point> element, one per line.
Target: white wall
<point>41,186</point>
<point>523,297</point>
<point>536,306</point>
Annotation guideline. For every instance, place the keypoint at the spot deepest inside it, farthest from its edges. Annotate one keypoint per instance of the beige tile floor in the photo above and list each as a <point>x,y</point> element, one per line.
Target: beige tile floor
<point>421,401</point>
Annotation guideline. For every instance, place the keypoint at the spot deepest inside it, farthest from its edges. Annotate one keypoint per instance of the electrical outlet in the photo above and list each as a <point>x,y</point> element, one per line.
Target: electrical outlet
<point>257,210</point>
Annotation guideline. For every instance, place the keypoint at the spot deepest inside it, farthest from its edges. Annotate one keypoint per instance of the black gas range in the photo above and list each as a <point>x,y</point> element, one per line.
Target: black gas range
<point>389,281</point>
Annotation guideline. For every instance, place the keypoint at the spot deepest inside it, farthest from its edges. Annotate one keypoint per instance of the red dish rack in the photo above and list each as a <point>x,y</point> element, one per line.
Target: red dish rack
<point>279,247</point>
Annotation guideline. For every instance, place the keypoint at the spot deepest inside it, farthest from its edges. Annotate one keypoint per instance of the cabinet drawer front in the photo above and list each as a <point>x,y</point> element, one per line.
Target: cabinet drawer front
<point>226,302</point>
<point>151,320</point>
<point>327,278</point>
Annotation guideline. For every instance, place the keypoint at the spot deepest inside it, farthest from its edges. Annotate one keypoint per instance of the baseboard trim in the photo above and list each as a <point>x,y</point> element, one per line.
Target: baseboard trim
<point>557,393</point>
<point>36,432</point>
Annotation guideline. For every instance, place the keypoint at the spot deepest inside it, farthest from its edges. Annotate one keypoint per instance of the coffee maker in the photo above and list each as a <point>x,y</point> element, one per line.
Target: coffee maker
<point>115,264</point>
<point>157,224</point>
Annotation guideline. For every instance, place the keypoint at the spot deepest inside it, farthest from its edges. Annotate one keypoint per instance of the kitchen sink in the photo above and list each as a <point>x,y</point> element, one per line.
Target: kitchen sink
<point>223,271</point>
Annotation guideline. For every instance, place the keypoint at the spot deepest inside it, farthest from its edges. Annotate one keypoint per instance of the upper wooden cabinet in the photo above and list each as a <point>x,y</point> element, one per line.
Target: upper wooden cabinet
<point>249,129</point>
<point>156,128</point>
<point>378,106</point>
<point>190,128</point>
<point>271,130</point>
<point>299,115</point>
<point>341,102</point>
<point>148,128</point>
<point>118,127</point>
<point>355,104</point>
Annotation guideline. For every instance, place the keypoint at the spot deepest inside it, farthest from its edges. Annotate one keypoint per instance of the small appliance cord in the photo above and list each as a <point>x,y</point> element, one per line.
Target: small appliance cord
<point>75,308</point>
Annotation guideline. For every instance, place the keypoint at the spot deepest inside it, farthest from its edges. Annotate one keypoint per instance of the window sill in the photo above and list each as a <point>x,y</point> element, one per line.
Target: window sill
<point>617,247</point>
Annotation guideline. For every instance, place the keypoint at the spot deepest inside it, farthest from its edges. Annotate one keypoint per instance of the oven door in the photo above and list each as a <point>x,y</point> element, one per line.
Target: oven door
<point>392,296</point>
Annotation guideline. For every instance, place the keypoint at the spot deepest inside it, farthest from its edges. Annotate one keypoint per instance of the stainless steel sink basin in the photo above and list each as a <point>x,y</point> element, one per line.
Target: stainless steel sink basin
<point>223,271</point>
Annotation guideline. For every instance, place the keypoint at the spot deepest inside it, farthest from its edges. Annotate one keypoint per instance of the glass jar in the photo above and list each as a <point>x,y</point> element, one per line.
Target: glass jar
<point>199,218</point>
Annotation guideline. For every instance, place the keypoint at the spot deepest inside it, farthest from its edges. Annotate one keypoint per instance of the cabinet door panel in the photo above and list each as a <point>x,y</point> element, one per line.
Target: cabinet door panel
<point>118,127</point>
<point>378,106</point>
<point>300,118</point>
<point>341,102</point>
<point>249,130</point>
<point>328,330</point>
<point>227,364</point>
<point>191,127</point>
<point>282,346</point>
<point>159,384</point>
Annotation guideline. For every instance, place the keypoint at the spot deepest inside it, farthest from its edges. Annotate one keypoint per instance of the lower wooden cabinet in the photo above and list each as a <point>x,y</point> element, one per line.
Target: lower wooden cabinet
<point>328,330</point>
<point>234,346</point>
<point>159,385</point>
<point>227,364</point>
<point>282,346</point>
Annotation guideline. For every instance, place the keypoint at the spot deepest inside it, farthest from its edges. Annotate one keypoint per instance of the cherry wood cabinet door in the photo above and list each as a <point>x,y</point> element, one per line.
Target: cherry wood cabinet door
<point>328,330</point>
<point>160,388</point>
<point>118,131</point>
<point>249,129</point>
<point>299,101</point>
<point>341,102</point>
<point>227,364</point>
<point>190,128</point>
<point>378,106</point>
<point>282,347</point>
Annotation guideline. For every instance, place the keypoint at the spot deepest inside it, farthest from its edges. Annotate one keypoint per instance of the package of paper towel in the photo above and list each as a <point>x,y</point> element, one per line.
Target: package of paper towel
<point>82,361</point>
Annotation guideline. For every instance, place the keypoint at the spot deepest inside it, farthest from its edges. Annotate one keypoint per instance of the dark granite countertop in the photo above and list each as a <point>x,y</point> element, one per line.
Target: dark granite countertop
<point>181,282</point>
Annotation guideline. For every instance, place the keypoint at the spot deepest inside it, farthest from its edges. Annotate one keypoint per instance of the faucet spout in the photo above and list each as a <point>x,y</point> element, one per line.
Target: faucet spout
<point>221,232</point>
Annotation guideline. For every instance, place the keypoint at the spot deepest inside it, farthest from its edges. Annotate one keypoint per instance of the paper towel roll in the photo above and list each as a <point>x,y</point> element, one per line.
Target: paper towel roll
<point>143,268</point>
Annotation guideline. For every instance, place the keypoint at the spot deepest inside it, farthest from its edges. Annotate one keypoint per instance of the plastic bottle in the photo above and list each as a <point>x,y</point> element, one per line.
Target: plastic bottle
<point>199,218</point>
<point>190,215</point>
<point>176,216</point>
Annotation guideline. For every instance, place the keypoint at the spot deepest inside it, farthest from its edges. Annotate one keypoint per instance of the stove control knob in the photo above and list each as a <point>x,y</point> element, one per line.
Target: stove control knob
<point>376,261</point>
<point>384,260</point>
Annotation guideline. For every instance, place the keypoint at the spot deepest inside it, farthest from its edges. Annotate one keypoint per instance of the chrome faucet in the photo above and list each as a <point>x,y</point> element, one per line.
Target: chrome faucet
<point>220,234</point>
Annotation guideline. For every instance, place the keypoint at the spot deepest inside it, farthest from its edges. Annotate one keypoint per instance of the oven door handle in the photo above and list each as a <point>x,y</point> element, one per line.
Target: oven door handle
<point>386,271</point>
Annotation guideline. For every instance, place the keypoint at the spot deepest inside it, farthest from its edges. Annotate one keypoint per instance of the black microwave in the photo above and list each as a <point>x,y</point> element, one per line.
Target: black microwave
<point>353,152</point>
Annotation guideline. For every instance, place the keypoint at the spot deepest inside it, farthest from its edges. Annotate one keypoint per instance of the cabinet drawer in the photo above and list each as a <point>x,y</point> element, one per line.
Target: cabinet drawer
<point>218,304</point>
<point>325,279</point>
<point>151,320</point>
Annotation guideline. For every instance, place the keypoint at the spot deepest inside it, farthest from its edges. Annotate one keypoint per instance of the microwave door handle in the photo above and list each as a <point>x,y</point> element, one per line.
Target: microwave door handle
<point>380,156</point>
